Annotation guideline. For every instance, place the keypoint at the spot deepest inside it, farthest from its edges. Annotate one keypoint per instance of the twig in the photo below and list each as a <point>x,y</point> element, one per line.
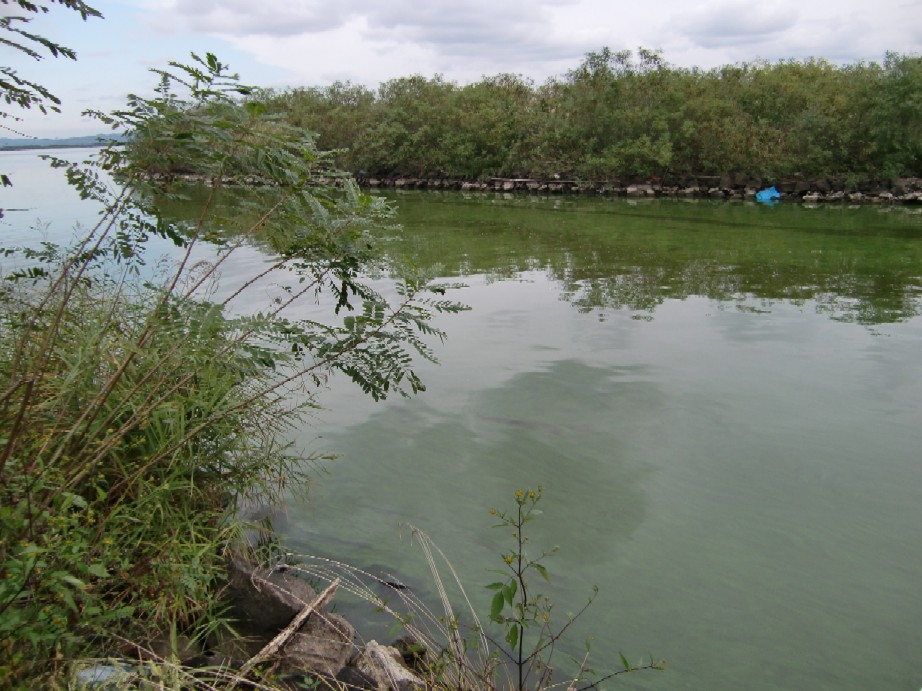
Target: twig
<point>273,646</point>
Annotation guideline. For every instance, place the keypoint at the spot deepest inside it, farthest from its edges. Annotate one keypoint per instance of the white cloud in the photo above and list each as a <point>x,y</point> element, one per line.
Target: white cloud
<point>368,41</point>
<point>240,18</point>
<point>731,23</point>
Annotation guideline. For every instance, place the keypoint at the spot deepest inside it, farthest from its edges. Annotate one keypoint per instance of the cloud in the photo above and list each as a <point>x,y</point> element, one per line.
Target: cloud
<point>368,41</point>
<point>241,18</point>
<point>735,23</point>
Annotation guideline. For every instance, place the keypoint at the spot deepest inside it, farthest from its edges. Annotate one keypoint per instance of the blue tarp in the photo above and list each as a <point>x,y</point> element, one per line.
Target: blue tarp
<point>768,195</point>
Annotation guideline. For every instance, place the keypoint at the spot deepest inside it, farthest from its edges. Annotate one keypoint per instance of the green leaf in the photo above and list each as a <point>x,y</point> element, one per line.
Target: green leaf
<point>494,586</point>
<point>496,606</point>
<point>73,580</point>
<point>512,636</point>
<point>627,665</point>
<point>98,570</point>
<point>510,590</point>
<point>543,571</point>
<point>255,108</point>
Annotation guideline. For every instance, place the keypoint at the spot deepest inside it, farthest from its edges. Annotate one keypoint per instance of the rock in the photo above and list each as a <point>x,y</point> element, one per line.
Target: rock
<point>323,645</point>
<point>104,676</point>
<point>354,678</point>
<point>413,652</point>
<point>265,599</point>
<point>640,190</point>
<point>811,198</point>
<point>384,664</point>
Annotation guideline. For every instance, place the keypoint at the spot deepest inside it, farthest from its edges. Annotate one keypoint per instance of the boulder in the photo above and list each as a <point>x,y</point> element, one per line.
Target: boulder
<point>264,599</point>
<point>353,678</point>
<point>384,664</point>
<point>323,645</point>
<point>640,190</point>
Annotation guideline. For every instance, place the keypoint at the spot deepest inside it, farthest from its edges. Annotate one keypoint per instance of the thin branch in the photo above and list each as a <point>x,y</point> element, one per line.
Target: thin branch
<point>273,646</point>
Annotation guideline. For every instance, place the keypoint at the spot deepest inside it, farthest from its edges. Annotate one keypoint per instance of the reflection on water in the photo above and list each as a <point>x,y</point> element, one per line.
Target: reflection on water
<point>736,470</point>
<point>858,264</point>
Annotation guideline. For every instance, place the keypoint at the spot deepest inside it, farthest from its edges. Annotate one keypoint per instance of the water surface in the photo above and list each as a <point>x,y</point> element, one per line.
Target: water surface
<point>722,402</point>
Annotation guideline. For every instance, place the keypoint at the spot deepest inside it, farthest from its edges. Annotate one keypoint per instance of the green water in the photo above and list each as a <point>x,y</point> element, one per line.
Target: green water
<point>722,401</point>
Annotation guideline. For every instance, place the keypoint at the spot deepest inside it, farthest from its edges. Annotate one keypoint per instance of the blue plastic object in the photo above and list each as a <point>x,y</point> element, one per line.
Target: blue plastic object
<point>768,195</point>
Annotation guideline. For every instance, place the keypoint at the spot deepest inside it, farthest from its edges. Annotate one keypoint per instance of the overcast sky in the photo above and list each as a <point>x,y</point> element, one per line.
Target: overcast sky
<point>282,43</point>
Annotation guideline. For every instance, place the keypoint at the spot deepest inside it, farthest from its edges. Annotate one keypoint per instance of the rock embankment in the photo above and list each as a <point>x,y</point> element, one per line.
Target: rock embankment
<point>825,189</point>
<point>283,634</point>
<point>265,602</point>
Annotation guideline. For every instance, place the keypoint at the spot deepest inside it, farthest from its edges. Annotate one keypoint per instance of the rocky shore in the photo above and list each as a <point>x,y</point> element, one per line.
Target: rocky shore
<point>284,634</point>
<point>827,189</point>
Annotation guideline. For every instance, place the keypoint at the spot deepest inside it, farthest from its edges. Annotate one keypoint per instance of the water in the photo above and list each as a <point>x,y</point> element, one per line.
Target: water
<point>722,402</point>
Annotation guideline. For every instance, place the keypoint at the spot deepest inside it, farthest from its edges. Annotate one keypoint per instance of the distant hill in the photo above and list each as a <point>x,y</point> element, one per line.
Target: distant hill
<point>66,143</point>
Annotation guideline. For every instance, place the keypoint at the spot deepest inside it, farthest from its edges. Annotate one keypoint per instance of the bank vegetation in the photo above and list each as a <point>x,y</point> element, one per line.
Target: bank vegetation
<point>626,115</point>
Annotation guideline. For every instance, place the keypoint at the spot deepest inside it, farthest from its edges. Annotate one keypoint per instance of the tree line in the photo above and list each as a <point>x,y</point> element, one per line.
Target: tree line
<point>627,115</point>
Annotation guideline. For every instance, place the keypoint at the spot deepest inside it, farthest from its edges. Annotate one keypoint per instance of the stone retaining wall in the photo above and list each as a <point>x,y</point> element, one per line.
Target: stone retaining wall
<point>897,190</point>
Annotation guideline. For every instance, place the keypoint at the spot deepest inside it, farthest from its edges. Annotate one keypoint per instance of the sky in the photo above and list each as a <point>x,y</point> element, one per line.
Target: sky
<point>290,43</point>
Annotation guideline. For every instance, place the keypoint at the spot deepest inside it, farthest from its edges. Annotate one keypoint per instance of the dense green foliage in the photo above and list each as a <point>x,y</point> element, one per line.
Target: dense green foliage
<point>618,115</point>
<point>137,413</point>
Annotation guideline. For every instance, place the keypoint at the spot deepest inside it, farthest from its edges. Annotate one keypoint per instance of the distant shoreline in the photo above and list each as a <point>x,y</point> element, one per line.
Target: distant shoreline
<point>33,147</point>
<point>90,141</point>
